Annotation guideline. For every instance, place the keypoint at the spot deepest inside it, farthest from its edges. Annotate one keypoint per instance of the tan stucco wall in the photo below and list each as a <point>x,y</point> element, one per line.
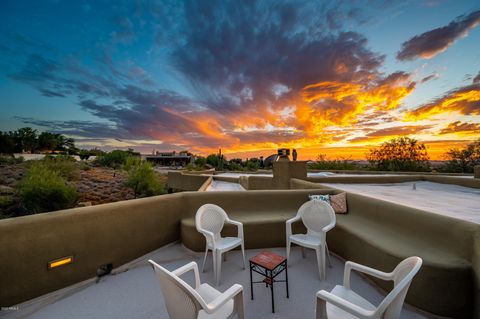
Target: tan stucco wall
<point>111,233</point>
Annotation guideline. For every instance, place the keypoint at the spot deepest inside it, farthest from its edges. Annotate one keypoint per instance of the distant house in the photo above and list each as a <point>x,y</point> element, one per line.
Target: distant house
<point>173,159</point>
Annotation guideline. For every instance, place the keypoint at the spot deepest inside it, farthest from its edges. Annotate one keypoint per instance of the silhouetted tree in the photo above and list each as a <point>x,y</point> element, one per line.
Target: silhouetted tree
<point>400,154</point>
<point>27,137</point>
<point>7,144</point>
<point>463,160</point>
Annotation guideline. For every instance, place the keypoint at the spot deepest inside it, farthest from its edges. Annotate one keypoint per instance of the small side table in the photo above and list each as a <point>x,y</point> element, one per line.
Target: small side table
<point>269,265</point>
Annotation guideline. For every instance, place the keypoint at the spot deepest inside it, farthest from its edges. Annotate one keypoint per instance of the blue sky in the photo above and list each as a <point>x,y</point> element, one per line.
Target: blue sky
<point>201,75</point>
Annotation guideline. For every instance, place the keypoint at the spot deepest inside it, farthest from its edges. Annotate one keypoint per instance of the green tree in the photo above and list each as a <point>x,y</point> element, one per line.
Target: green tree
<point>463,160</point>
<point>399,154</point>
<point>7,144</point>
<point>48,141</point>
<point>213,160</point>
<point>143,179</point>
<point>200,162</point>
<point>27,137</point>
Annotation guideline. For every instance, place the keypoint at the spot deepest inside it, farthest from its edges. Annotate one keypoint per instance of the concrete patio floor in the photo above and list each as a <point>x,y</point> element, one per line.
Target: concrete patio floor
<point>132,290</point>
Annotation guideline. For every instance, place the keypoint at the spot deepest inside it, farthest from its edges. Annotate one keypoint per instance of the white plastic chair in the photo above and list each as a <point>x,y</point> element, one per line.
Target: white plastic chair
<point>342,302</point>
<point>209,221</point>
<point>318,217</point>
<point>185,302</point>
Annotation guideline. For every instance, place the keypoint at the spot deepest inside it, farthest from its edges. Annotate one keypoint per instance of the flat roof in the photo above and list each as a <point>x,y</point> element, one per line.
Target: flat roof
<point>444,199</point>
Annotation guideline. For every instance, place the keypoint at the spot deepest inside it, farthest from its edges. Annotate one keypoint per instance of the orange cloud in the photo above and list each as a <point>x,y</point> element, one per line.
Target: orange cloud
<point>463,128</point>
<point>465,100</point>
<point>341,103</point>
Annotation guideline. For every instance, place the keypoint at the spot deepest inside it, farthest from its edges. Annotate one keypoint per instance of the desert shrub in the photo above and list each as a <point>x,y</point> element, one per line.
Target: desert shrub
<point>64,165</point>
<point>114,159</point>
<point>131,162</point>
<point>144,181</point>
<point>44,190</point>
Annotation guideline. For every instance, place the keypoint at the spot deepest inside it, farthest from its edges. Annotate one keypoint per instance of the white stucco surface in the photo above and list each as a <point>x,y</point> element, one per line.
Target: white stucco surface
<point>445,199</point>
<point>218,186</point>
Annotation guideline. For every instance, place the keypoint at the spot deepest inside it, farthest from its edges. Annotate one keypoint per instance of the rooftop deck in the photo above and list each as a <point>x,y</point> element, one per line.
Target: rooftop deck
<point>444,199</point>
<point>132,291</point>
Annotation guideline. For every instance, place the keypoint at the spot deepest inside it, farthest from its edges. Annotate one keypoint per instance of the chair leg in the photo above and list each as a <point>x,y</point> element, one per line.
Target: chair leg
<point>303,252</point>
<point>324,268</point>
<point>205,259</point>
<point>321,311</point>
<point>243,255</point>
<point>328,256</point>
<point>219,267</point>
<point>288,250</point>
<point>320,259</point>
<point>214,257</point>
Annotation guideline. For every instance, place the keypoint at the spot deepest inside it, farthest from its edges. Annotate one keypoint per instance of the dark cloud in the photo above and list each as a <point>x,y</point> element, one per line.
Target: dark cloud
<point>242,64</point>
<point>433,42</point>
<point>428,78</point>
<point>391,132</point>
<point>476,79</point>
<point>459,127</point>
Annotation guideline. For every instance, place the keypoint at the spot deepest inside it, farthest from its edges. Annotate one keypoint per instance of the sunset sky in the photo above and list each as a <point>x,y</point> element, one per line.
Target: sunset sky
<point>333,78</point>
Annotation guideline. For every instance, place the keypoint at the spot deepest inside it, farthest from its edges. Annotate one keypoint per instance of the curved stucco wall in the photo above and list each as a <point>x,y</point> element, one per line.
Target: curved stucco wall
<point>375,233</point>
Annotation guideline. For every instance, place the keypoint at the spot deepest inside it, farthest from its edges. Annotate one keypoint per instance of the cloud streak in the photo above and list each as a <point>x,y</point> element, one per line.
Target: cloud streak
<point>433,42</point>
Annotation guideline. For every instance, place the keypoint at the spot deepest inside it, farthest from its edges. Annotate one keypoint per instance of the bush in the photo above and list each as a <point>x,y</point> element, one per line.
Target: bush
<point>44,190</point>
<point>144,181</point>
<point>114,159</point>
<point>64,165</point>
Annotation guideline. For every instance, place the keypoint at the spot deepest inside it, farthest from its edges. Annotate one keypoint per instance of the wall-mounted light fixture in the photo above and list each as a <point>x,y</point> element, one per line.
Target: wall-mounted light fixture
<point>60,262</point>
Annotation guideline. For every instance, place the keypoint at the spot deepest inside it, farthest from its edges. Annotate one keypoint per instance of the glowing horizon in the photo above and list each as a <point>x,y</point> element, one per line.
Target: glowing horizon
<point>320,77</point>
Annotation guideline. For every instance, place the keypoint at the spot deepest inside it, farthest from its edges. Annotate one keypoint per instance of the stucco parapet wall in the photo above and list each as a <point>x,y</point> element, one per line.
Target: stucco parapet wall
<point>181,181</point>
<point>454,180</point>
<point>113,233</point>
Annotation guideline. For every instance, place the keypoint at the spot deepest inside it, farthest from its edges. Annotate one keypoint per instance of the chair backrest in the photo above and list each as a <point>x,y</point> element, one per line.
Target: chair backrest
<point>212,218</point>
<point>180,298</point>
<point>403,274</point>
<point>315,215</point>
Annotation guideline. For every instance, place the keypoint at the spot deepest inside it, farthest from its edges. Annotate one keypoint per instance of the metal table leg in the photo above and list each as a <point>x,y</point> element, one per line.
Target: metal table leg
<point>251,282</point>
<point>286,276</point>
<point>271,289</point>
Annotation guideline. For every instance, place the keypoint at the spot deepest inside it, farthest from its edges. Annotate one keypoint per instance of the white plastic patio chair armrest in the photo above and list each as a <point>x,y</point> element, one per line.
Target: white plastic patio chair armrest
<point>349,265</point>
<point>186,268</point>
<point>328,227</point>
<point>208,235</point>
<point>344,304</point>
<point>289,223</point>
<point>239,226</point>
<point>228,295</point>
